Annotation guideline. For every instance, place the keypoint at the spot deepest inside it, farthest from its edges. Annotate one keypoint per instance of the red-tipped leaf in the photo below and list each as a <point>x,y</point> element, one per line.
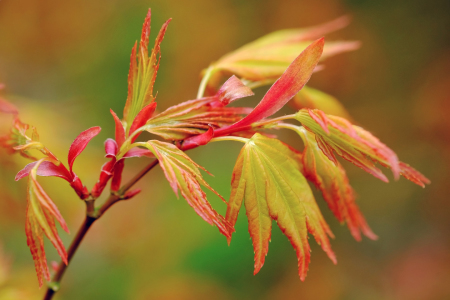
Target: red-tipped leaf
<point>117,175</point>
<point>142,74</point>
<point>267,179</point>
<point>120,131</point>
<point>360,147</point>
<point>198,140</point>
<point>289,84</point>
<point>142,117</point>
<point>80,143</point>
<point>111,148</point>
<point>330,178</point>
<point>46,168</point>
<point>413,175</point>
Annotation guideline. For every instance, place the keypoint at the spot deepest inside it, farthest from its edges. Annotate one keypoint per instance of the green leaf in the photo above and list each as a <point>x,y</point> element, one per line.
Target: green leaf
<point>268,180</point>
<point>265,59</point>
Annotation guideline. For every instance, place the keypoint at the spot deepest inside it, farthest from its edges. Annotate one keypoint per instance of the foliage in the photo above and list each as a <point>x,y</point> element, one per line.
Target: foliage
<point>269,177</point>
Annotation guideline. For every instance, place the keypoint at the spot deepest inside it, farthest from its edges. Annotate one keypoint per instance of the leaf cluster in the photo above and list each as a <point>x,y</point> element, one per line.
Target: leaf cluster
<point>270,178</point>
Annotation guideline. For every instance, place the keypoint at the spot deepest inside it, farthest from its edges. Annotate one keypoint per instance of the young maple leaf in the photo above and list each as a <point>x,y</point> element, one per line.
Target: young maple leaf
<point>290,83</point>
<point>183,174</point>
<point>142,74</point>
<point>40,218</point>
<point>139,106</point>
<point>360,147</point>
<point>265,59</point>
<point>268,180</point>
<point>54,167</point>
<point>332,181</point>
<point>195,117</point>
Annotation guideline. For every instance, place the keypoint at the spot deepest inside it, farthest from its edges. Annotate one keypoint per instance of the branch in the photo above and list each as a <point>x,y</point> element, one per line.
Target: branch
<point>91,217</point>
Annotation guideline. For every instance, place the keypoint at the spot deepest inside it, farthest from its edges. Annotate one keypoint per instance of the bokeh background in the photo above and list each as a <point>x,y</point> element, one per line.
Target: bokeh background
<point>65,64</point>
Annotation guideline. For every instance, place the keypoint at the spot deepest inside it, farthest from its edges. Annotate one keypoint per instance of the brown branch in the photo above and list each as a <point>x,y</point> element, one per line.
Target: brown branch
<point>91,217</point>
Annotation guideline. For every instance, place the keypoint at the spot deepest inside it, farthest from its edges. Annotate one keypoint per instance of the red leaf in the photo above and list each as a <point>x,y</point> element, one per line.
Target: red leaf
<point>143,45</point>
<point>141,118</point>
<point>233,89</point>
<point>120,131</point>
<point>105,175</point>
<point>132,77</point>
<point>157,51</point>
<point>198,140</point>
<point>289,84</point>
<point>80,143</point>
<point>413,175</point>
<point>111,148</point>
<point>117,175</point>
<point>79,188</point>
<point>46,168</point>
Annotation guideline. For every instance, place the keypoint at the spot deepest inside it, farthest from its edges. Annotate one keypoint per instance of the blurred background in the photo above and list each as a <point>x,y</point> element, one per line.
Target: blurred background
<point>65,64</point>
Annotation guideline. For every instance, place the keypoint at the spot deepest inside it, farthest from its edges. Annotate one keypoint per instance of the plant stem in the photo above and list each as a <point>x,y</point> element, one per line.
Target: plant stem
<point>53,286</point>
<point>229,138</point>
<point>204,82</point>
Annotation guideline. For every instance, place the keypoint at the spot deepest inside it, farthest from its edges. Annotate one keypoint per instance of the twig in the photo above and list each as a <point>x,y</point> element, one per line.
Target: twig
<point>53,286</point>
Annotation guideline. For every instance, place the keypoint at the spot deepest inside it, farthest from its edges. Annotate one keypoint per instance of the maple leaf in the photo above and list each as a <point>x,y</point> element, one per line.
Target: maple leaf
<point>54,167</point>
<point>268,180</point>
<point>40,219</point>
<point>360,147</point>
<point>142,73</point>
<point>287,86</point>
<point>195,117</point>
<point>332,181</point>
<point>138,109</point>
<point>266,58</point>
<point>183,174</point>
